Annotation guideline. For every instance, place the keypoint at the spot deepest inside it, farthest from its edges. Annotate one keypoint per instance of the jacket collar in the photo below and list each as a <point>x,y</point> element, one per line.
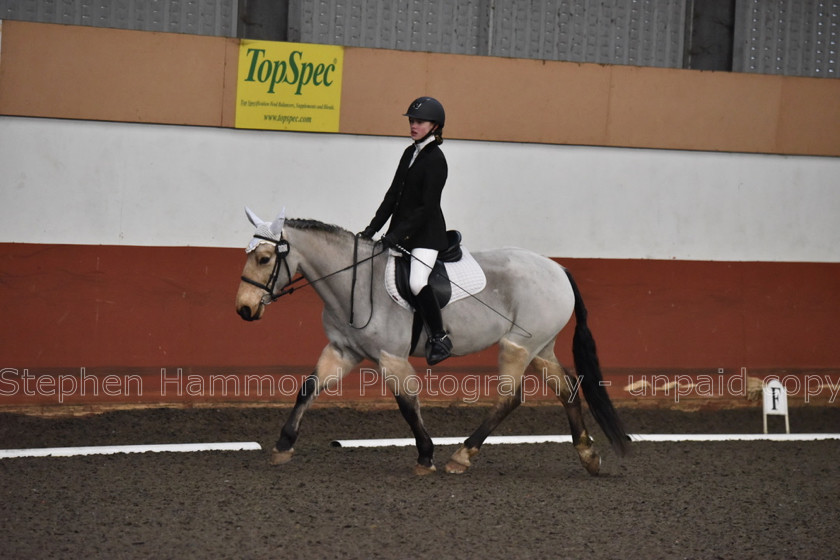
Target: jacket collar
<point>419,147</point>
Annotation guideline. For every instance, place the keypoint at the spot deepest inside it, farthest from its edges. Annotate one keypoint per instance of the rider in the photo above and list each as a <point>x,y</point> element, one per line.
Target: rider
<point>417,224</point>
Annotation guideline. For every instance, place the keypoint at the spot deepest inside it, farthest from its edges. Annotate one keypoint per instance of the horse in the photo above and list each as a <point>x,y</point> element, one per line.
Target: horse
<point>347,273</point>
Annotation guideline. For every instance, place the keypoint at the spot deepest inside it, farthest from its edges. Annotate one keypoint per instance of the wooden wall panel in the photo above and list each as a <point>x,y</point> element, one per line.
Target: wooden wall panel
<point>77,72</point>
<point>809,116</point>
<point>105,74</point>
<point>712,111</point>
<point>378,89</point>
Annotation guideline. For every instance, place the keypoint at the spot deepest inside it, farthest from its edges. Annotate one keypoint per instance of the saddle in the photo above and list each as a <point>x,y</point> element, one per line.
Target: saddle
<point>455,275</point>
<point>438,279</point>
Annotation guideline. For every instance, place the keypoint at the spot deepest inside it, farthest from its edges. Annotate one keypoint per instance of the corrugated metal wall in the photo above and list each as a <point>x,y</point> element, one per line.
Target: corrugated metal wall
<point>638,32</point>
<point>641,33</point>
<point>790,37</point>
<point>200,17</point>
<point>412,25</point>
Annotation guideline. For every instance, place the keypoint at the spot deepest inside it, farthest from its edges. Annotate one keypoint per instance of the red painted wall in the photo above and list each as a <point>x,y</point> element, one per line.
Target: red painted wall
<point>99,306</point>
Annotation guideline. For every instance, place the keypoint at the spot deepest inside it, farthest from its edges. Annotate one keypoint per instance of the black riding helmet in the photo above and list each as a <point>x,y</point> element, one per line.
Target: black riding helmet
<point>427,109</point>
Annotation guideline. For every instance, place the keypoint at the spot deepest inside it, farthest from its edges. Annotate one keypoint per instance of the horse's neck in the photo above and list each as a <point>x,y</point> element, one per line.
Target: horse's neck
<point>322,256</point>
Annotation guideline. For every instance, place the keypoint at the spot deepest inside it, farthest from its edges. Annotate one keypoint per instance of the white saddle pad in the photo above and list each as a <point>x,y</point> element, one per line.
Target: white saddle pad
<point>466,278</point>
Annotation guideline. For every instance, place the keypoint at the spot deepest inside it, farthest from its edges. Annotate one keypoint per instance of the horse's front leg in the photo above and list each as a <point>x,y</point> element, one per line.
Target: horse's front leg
<point>333,364</point>
<point>399,375</point>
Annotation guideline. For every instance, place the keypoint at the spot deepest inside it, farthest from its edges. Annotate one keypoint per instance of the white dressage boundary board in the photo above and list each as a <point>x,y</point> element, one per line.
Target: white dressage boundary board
<point>388,442</point>
<point>398,442</point>
<point>114,449</point>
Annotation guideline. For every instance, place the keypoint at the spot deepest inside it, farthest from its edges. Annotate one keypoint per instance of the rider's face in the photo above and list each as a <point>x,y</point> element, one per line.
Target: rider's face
<point>420,128</point>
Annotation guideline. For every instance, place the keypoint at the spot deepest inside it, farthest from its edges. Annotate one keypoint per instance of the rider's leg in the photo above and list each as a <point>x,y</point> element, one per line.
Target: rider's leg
<point>438,345</point>
<point>422,263</point>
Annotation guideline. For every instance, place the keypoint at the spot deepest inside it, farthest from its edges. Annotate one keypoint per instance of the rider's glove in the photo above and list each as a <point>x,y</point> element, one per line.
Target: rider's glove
<point>367,233</point>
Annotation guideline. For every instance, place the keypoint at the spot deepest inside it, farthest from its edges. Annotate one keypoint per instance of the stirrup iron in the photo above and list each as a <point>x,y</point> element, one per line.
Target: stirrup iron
<point>438,348</point>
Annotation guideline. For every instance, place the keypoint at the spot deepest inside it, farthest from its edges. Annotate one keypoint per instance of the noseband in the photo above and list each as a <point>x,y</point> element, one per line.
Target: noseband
<point>281,251</point>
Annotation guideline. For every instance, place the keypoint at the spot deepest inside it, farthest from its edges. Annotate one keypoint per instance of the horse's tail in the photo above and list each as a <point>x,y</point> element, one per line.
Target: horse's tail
<point>589,372</point>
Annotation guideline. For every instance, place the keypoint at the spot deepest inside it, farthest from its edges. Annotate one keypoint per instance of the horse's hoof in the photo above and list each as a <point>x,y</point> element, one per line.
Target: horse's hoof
<point>456,468</point>
<point>591,461</point>
<point>421,470</point>
<point>460,460</point>
<point>281,457</point>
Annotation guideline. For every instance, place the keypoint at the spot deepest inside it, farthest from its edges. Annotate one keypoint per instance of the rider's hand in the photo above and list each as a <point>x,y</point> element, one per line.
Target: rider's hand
<point>367,233</point>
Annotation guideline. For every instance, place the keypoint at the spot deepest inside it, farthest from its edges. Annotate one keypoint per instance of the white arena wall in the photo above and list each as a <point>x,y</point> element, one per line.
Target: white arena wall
<point>99,183</point>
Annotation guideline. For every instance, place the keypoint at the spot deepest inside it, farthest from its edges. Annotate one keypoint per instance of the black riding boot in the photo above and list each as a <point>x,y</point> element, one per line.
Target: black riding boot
<point>438,346</point>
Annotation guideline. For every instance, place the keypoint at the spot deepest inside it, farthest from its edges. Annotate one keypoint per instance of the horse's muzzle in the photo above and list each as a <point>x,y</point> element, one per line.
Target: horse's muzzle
<point>245,313</point>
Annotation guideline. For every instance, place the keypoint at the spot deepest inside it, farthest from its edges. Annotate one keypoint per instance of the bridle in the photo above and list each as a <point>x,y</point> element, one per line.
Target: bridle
<point>281,251</point>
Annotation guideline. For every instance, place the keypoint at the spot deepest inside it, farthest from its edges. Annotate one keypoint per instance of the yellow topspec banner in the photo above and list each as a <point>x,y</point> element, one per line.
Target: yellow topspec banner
<point>289,86</point>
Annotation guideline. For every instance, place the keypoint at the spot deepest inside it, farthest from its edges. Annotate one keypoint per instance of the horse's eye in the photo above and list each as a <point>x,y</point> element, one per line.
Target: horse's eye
<point>265,260</point>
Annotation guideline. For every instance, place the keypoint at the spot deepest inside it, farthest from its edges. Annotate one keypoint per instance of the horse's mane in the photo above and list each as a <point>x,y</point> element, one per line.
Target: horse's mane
<point>304,224</point>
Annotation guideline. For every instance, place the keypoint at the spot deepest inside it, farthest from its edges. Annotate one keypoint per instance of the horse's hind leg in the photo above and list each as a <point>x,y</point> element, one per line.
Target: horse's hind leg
<point>513,359</point>
<point>397,372</point>
<point>332,366</point>
<point>560,381</point>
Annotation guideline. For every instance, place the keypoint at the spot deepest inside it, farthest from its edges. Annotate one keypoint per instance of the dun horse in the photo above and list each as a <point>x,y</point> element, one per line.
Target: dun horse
<point>527,301</point>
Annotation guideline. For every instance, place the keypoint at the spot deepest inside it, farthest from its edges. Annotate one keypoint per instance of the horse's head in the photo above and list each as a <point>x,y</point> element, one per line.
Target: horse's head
<point>267,269</point>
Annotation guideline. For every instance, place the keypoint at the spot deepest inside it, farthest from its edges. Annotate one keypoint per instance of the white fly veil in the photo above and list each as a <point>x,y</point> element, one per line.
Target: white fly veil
<point>266,232</point>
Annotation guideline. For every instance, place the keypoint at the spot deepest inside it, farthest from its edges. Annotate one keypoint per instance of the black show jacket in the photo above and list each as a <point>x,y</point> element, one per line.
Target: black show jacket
<point>413,201</point>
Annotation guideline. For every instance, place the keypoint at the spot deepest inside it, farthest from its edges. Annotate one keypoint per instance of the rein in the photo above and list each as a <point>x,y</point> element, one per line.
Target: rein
<point>281,251</point>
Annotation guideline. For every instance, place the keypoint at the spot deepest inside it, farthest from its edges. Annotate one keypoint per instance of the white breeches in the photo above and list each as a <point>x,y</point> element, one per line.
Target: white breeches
<point>422,261</point>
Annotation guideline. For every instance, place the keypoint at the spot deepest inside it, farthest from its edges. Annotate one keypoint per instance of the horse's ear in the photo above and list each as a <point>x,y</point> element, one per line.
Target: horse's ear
<point>253,218</point>
<point>277,225</point>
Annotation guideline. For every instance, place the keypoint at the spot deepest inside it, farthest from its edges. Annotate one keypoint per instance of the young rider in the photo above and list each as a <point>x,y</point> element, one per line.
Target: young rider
<point>417,224</point>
